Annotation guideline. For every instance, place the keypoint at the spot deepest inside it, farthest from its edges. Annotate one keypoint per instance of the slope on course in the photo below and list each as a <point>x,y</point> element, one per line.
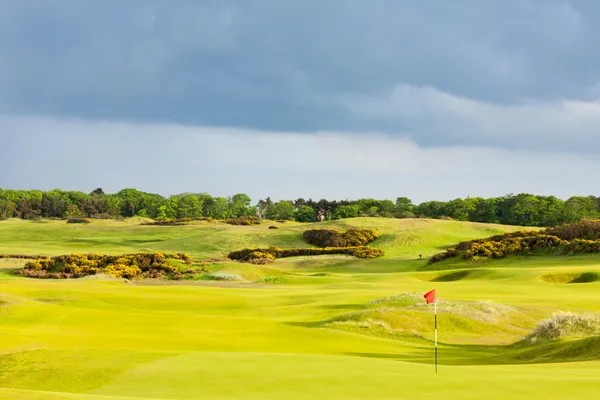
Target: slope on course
<point>307,327</point>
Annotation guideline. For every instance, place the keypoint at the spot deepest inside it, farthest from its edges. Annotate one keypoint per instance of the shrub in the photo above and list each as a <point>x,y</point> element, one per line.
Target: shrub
<point>127,266</point>
<point>586,229</point>
<point>333,238</point>
<point>273,227</point>
<point>78,221</point>
<point>368,252</point>
<point>449,253</point>
<point>122,271</point>
<point>248,255</point>
<point>244,221</point>
<point>583,246</point>
<point>514,246</point>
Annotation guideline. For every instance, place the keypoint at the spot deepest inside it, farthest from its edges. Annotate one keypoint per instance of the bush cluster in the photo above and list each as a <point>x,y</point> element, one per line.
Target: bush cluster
<point>271,253</point>
<point>333,238</point>
<point>246,221</point>
<point>129,266</point>
<point>583,246</point>
<point>576,238</point>
<point>513,246</point>
<point>586,229</point>
<point>78,221</point>
<point>273,227</point>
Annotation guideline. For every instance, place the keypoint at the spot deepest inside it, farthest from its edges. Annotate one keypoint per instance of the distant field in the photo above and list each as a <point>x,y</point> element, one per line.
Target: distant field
<point>405,238</point>
<point>307,327</point>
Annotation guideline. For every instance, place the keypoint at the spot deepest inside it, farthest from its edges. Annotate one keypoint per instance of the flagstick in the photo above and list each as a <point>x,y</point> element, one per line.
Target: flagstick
<point>435,327</point>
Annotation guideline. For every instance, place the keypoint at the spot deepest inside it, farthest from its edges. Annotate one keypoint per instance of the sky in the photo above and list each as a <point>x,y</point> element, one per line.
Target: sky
<point>337,99</point>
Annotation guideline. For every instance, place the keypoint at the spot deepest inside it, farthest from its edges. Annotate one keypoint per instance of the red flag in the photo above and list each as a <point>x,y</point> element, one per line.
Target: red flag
<point>430,296</point>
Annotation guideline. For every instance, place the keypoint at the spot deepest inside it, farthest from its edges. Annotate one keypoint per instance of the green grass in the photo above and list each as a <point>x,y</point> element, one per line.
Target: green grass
<point>307,327</point>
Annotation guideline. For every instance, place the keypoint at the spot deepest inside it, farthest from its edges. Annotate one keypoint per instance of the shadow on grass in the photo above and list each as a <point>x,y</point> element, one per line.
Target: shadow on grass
<point>520,353</point>
<point>523,352</point>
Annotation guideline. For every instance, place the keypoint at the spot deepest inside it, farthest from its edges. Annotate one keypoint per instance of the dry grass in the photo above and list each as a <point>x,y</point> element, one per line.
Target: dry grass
<point>566,325</point>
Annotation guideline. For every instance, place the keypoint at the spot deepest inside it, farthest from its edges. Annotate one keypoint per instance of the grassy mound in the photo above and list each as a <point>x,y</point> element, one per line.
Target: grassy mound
<point>566,325</point>
<point>407,315</point>
<point>559,351</point>
<point>577,238</point>
<point>452,276</point>
<point>562,337</point>
<point>575,277</point>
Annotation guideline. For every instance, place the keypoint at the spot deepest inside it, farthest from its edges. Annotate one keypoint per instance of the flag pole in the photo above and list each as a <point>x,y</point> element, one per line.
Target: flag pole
<point>436,335</point>
<point>430,297</point>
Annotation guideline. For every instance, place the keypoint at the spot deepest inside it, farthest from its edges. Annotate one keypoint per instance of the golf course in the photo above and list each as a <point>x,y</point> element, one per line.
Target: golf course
<point>329,326</point>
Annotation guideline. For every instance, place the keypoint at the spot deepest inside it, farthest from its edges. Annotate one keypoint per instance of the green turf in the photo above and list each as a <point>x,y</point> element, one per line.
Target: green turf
<point>307,327</point>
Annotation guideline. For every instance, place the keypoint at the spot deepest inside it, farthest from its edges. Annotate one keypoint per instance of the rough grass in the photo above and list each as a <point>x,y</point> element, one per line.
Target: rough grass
<point>566,325</point>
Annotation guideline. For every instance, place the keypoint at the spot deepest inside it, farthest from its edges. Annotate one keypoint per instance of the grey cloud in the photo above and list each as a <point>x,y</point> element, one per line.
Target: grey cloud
<point>295,65</point>
<point>171,158</point>
<point>426,112</point>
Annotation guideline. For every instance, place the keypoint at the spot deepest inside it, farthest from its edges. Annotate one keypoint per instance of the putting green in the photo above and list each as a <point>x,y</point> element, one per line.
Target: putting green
<point>272,338</point>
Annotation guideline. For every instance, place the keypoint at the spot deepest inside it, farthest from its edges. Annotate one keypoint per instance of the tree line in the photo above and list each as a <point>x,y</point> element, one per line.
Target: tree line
<point>521,209</point>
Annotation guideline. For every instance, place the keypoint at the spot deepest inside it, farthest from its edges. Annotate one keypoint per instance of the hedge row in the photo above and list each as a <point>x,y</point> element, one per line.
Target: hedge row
<point>272,253</point>
<point>333,238</point>
<point>130,266</point>
<point>247,221</point>
<point>78,221</point>
<point>514,246</point>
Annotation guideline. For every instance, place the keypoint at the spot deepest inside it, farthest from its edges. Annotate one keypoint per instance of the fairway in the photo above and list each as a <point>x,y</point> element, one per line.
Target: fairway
<point>333,327</point>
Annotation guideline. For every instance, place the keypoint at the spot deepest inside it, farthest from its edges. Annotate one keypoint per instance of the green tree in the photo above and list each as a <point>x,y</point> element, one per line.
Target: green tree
<point>219,209</point>
<point>240,205</point>
<point>404,204</point>
<point>386,208</point>
<point>578,207</point>
<point>306,214</point>
<point>351,211</point>
<point>432,209</point>
<point>7,209</point>
<point>282,210</point>
<point>486,211</point>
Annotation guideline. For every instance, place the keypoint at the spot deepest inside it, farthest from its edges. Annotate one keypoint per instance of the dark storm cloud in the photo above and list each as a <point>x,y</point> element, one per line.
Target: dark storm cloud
<point>295,65</point>
<point>430,99</point>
